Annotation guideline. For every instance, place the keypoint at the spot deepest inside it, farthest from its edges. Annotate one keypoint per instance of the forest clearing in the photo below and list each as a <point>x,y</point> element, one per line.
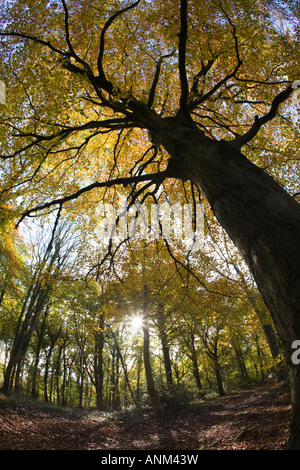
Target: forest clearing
<point>253,419</point>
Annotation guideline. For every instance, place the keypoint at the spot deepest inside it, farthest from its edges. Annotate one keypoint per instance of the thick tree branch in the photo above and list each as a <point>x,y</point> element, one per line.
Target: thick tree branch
<point>154,84</point>
<point>67,28</point>
<point>218,85</point>
<point>66,131</point>
<point>260,121</point>
<point>102,40</point>
<point>156,78</point>
<point>37,40</point>
<point>154,177</point>
<point>182,56</point>
<point>204,70</point>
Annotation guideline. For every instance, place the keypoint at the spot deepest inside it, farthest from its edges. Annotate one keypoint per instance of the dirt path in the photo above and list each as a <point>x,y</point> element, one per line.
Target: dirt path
<point>256,419</point>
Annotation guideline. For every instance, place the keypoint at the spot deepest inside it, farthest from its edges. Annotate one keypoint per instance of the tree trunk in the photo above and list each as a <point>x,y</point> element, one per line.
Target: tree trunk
<point>64,379</point>
<point>53,339</point>
<point>138,381</point>
<point>35,372</point>
<point>80,377</point>
<point>120,355</point>
<point>46,373</point>
<point>98,363</point>
<point>9,371</point>
<point>18,376</point>
<point>241,363</point>
<point>57,373</point>
<point>262,220</point>
<point>27,321</point>
<point>219,379</point>
<point>161,323</point>
<point>260,359</point>
<point>167,359</point>
<point>149,376</point>
<point>196,373</point>
<point>80,386</point>
<point>147,362</point>
<point>114,378</point>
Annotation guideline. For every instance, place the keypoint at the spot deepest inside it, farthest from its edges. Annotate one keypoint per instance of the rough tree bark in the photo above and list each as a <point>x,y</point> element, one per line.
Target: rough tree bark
<point>260,217</point>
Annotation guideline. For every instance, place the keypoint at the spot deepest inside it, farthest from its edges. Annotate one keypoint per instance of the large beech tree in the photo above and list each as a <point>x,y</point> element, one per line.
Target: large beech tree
<point>107,93</point>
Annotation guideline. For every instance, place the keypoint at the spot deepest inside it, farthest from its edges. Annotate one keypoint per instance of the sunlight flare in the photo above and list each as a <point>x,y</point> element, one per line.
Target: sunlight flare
<point>136,322</point>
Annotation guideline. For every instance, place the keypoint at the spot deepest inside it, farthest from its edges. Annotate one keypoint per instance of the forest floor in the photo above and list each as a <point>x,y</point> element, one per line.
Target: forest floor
<point>256,418</point>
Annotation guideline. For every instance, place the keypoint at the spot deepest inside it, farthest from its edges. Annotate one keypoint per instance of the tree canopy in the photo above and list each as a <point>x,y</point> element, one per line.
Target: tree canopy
<point>83,83</point>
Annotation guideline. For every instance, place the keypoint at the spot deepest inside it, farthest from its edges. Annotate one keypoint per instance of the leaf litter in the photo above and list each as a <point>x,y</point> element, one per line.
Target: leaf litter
<point>252,419</point>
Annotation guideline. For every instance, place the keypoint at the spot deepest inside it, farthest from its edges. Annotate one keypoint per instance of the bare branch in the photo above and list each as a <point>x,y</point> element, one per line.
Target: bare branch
<point>182,264</point>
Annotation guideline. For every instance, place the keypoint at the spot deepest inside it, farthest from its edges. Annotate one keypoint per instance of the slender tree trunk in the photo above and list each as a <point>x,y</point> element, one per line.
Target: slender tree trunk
<point>64,379</point>
<point>196,373</point>
<point>18,376</point>
<point>53,339</point>
<point>9,371</point>
<point>46,374</point>
<point>241,363</point>
<point>35,372</point>
<point>123,366</point>
<point>262,220</point>
<point>57,373</point>
<point>147,362</point>
<point>98,363</point>
<point>27,321</point>
<point>219,379</point>
<point>260,359</point>
<point>80,377</point>
<point>138,381</point>
<point>167,359</point>
<point>16,346</point>
<point>161,322</point>
<point>114,378</point>
<point>270,335</point>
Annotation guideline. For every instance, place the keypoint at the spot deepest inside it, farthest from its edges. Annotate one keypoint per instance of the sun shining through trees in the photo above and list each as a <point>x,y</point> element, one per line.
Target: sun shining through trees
<point>137,323</point>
